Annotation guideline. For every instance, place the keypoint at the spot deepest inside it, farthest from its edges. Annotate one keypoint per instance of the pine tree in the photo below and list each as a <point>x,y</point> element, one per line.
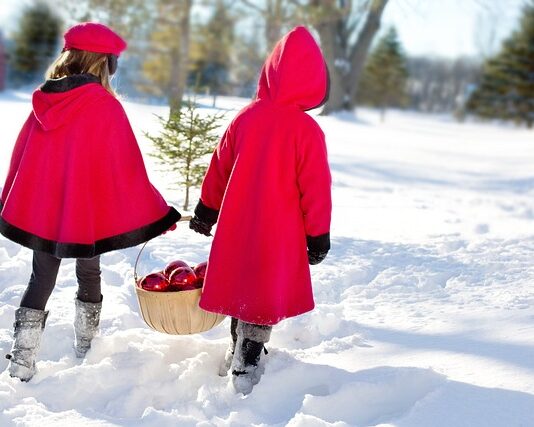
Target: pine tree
<point>184,142</point>
<point>36,41</point>
<point>507,87</point>
<point>385,75</point>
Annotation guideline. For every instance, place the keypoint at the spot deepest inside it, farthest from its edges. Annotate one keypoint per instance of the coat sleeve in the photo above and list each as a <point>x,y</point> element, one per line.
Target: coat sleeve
<point>218,173</point>
<point>314,181</point>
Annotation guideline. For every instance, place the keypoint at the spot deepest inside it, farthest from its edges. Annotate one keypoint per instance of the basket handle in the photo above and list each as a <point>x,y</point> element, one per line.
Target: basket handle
<point>182,219</point>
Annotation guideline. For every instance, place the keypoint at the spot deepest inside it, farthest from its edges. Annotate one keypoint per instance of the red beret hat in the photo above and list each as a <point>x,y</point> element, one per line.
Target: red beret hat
<point>94,37</point>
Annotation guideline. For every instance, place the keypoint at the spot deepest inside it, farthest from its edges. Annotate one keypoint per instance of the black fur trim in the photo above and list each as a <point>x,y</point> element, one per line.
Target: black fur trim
<point>319,243</point>
<point>65,84</point>
<point>205,214</point>
<point>80,250</point>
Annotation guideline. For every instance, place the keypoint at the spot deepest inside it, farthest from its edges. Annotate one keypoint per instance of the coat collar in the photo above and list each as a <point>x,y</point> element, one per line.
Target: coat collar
<point>65,84</point>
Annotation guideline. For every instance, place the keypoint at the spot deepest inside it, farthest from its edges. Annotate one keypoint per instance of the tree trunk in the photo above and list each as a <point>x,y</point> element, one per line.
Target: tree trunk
<point>345,63</point>
<point>186,201</point>
<point>338,96</point>
<point>273,22</point>
<point>180,60</point>
<point>334,55</point>
<point>176,89</point>
<point>360,50</point>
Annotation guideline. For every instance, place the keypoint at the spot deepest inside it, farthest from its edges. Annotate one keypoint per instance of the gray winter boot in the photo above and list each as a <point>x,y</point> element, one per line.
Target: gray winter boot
<point>29,325</point>
<point>86,323</point>
<point>229,355</point>
<point>227,362</point>
<point>250,343</point>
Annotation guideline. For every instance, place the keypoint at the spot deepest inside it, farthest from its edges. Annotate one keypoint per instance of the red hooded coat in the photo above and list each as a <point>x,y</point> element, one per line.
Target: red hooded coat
<point>270,179</point>
<point>77,185</point>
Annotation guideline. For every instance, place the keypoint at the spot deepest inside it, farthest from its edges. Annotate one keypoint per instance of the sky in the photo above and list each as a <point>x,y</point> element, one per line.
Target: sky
<point>445,28</point>
<point>452,28</point>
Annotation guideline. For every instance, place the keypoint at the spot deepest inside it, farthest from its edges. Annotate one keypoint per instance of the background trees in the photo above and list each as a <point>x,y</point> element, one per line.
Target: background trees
<point>346,29</point>
<point>385,75</point>
<point>36,42</point>
<point>212,51</point>
<point>218,47</point>
<point>506,90</point>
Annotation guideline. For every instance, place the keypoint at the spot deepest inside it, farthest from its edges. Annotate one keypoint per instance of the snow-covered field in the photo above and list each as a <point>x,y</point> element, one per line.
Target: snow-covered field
<point>425,305</point>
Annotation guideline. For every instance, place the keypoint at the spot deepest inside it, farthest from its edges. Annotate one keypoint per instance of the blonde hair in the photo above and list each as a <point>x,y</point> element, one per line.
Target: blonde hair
<point>74,61</point>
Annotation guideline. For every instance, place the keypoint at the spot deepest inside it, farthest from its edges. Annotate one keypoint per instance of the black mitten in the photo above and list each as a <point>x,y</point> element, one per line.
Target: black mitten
<point>200,226</point>
<point>204,219</point>
<point>316,257</point>
<point>318,247</point>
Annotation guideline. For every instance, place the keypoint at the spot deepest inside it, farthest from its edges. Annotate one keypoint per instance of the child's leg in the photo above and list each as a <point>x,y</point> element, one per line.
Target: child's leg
<point>88,274</point>
<point>88,304</point>
<point>233,330</point>
<point>30,317</point>
<point>229,355</point>
<point>250,343</point>
<point>42,281</point>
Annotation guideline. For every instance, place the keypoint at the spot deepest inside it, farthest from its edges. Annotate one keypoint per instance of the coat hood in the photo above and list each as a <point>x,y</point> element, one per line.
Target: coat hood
<point>57,101</point>
<point>295,72</point>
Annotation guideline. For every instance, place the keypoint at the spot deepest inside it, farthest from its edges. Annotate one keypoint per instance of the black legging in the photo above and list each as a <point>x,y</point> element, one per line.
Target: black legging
<point>44,275</point>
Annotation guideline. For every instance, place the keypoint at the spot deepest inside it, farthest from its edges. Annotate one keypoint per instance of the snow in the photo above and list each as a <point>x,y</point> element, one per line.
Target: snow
<point>425,308</point>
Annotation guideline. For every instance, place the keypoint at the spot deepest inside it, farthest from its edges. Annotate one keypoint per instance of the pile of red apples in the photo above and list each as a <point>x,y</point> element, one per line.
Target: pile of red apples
<point>177,276</point>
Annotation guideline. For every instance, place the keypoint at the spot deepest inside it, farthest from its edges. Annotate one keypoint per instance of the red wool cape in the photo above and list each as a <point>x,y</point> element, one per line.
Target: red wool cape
<point>77,184</point>
<point>269,177</point>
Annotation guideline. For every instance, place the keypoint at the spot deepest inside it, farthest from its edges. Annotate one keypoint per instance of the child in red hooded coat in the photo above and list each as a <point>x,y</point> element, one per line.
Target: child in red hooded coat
<point>76,187</point>
<point>268,186</point>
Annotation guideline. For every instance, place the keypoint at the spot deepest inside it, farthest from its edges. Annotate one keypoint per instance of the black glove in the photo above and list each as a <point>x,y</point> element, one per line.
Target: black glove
<point>316,257</point>
<point>204,219</point>
<point>318,247</point>
<point>200,226</point>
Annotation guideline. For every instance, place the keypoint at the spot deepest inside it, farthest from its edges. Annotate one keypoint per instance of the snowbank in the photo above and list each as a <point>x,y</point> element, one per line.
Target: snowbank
<point>424,310</point>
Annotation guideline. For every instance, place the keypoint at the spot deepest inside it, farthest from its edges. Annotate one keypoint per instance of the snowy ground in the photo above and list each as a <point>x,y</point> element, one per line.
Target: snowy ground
<point>425,306</point>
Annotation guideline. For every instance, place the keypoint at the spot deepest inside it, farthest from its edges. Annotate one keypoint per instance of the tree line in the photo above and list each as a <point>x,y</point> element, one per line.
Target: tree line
<point>218,46</point>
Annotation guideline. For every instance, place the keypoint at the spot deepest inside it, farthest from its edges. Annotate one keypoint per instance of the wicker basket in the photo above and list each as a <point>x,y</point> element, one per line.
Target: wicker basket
<point>175,313</point>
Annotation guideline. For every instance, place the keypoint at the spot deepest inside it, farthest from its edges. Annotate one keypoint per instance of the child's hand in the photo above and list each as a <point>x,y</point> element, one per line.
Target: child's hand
<point>171,228</point>
<point>318,247</point>
<point>316,257</point>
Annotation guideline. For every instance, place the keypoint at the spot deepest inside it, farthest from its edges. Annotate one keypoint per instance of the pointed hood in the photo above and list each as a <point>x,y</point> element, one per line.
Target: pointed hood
<point>295,72</point>
<point>55,103</point>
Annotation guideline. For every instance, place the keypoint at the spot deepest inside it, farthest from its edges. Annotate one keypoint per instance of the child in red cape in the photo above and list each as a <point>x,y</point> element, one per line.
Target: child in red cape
<point>76,187</point>
<point>268,186</point>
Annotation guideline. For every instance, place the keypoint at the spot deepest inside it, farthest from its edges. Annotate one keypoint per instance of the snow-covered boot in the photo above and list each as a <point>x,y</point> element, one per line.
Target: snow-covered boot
<point>29,325</point>
<point>229,355</point>
<point>86,321</point>
<point>250,343</point>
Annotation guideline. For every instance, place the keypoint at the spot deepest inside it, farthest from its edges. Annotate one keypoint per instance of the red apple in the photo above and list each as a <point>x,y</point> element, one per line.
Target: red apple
<point>154,282</point>
<point>173,266</point>
<point>200,269</point>
<point>182,279</point>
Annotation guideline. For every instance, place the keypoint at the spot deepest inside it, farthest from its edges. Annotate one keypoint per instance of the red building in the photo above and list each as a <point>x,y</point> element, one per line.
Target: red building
<point>3,64</point>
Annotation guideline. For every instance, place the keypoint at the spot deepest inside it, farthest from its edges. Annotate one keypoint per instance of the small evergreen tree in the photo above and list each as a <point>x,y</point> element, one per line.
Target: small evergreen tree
<point>184,142</point>
<point>385,75</point>
<point>36,41</point>
<point>507,87</point>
